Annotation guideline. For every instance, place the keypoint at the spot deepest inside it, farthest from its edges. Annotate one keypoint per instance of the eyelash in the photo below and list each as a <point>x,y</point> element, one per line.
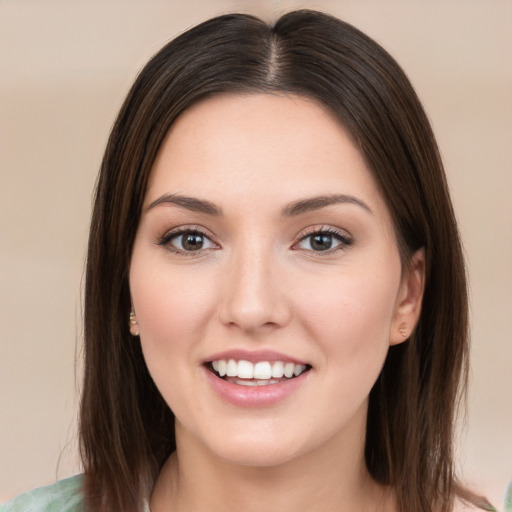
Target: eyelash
<point>343,239</point>
<point>166,240</point>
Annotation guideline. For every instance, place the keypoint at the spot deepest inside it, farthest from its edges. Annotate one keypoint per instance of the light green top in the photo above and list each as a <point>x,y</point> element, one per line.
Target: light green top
<point>63,496</point>
<point>66,496</point>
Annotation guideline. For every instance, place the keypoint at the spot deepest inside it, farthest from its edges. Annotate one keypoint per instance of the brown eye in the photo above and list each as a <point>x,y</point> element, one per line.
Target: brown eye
<point>187,241</point>
<point>323,241</point>
<point>192,241</point>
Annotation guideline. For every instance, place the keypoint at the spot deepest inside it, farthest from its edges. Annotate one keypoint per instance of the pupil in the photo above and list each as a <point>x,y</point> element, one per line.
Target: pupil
<point>192,242</point>
<point>321,242</point>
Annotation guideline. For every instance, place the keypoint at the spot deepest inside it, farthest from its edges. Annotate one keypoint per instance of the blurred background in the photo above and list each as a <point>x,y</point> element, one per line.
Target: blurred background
<point>65,67</point>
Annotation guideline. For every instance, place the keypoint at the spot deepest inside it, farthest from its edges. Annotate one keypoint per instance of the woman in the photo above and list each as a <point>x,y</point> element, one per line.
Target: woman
<point>275,309</point>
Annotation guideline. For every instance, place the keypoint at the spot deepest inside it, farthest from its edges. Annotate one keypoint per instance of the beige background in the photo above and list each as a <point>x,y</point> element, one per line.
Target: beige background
<point>65,67</point>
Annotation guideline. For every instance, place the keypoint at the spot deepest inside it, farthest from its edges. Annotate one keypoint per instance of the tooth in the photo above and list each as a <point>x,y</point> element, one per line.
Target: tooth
<point>247,382</point>
<point>288,369</point>
<point>245,369</point>
<point>298,369</point>
<point>231,369</point>
<point>222,367</point>
<point>277,370</point>
<point>262,370</point>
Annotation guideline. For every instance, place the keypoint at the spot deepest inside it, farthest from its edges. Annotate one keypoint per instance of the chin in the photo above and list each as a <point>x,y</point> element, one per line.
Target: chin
<point>258,447</point>
<point>257,456</point>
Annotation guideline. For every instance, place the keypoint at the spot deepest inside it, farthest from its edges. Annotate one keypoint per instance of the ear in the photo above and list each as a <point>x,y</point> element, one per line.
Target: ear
<point>134,325</point>
<point>409,300</point>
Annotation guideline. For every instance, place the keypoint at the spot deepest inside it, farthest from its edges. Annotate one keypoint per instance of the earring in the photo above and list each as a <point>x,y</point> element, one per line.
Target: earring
<point>134,325</point>
<point>403,330</point>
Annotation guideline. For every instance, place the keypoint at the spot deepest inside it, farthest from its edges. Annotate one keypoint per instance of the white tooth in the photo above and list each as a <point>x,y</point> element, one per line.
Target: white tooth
<point>262,370</point>
<point>245,369</point>
<point>247,382</point>
<point>288,369</point>
<point>277,370</point>
<point>215,365</point>
<point>232,368</point>
<point>222,367</point>
<point>298,369</point>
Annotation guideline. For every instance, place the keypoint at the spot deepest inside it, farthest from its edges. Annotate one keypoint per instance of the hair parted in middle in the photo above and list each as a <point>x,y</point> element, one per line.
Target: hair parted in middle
<point>126,428</point>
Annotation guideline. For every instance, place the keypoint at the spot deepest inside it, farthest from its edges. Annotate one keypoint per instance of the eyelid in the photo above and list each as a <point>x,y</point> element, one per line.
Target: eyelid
<point>165,240</point>
<point>342,236</point>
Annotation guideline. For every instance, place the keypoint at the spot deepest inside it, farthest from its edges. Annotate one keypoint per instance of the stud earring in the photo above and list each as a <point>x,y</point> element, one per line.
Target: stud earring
<point>134,325</point>
<point>403,331</point>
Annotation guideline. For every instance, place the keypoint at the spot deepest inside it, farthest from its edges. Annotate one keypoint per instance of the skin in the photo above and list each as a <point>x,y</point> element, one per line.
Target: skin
<point>258,283</point>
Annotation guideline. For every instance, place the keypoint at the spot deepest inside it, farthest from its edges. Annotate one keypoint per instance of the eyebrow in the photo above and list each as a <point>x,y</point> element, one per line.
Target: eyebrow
<point>316,203</point>
<point>189,203</point>
<point>292,210</point>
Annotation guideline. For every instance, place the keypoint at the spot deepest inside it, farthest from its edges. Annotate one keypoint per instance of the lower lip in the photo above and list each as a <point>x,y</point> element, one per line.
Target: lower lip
<point>254,396</point>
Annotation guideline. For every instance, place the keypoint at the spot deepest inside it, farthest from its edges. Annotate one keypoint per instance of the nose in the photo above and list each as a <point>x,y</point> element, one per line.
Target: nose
<point>254,298</point>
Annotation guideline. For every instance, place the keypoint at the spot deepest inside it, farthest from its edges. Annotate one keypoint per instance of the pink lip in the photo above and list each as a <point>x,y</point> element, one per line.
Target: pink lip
<point>254,396</point>
<point>254,356</point>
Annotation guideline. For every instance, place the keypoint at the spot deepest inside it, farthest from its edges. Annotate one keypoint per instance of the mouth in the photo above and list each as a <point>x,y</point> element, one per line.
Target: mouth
<point>261,373</point>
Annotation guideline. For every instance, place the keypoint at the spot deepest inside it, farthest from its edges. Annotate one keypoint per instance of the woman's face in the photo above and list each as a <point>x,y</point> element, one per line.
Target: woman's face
<point>265,246</point>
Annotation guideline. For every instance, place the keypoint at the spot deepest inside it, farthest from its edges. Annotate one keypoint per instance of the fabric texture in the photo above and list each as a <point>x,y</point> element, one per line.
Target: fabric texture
<point>62,496</point>
<point>66,496</point>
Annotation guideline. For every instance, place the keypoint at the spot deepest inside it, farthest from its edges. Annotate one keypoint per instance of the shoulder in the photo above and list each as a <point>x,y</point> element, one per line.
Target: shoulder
<point>480,503</point>
<point>62,496</point>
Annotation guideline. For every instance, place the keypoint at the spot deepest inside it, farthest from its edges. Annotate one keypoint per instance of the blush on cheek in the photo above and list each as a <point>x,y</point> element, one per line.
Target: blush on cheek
<point>359,319</point>
<point>172,313</point>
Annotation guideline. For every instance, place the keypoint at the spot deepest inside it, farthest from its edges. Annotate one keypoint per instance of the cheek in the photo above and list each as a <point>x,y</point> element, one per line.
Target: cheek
<point>350,323</point>
<point>172,309</point>
<point>351,314</point>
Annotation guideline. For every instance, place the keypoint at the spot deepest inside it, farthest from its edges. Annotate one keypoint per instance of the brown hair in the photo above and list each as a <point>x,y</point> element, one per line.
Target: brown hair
<point>126,428</point>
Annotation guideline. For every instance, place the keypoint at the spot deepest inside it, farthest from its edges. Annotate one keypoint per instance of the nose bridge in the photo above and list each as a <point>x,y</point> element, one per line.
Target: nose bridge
<point>254,296</point>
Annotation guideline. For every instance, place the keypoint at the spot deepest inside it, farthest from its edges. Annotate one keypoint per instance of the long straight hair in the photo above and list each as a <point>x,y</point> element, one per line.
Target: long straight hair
<point>126,428</point>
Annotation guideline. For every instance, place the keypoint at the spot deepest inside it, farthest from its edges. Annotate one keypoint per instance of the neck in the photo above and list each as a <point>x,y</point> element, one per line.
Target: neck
<point>332,478</point>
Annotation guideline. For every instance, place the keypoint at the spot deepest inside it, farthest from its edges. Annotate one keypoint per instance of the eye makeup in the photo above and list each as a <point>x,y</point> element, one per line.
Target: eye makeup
<point>194,241</point>
<point>187,241</point>
<point>323,239</point>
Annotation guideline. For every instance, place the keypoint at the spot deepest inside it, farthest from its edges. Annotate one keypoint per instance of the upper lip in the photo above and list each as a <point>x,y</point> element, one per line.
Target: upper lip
<point>254,356</point>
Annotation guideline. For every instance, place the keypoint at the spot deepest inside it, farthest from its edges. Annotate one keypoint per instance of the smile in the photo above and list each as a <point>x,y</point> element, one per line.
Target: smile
<point>261,373</point>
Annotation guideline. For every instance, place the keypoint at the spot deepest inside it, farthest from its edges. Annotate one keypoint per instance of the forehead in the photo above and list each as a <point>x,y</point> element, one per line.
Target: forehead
<point>278,146</point>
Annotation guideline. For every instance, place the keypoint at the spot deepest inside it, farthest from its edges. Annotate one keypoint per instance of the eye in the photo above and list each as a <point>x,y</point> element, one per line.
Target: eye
<point>324,240</point>
<point>187,241</point>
